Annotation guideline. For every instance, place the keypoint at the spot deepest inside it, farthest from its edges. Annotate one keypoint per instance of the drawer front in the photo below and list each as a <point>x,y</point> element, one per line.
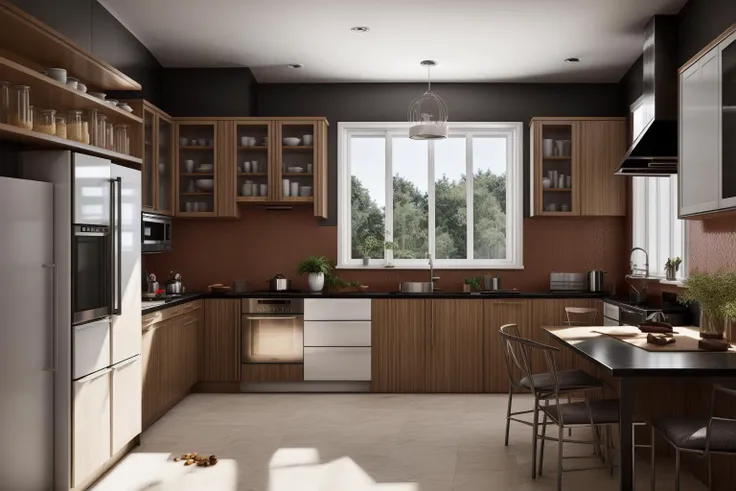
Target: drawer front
<point>151,319</point>
<point>91,348</point>
<point>190,307</point>
<point>337,333</point>
<point>91,429</point>
<point>127,392</point>
<point>337,364</point>
<point>337,309</point>
<point>610,311</point>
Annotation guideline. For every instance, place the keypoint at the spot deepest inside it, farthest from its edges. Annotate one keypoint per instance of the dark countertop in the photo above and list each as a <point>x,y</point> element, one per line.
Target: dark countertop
<point>188,297</point>
<point>621,359</point>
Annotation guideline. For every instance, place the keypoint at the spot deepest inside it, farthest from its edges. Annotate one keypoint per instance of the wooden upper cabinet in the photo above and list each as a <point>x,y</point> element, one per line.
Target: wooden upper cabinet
<point>399,345</point>
<point>572,166</point>
<point>496,314</point>
<point>255,150</point>
<point>221,340</point>
<point>603,144</point>
<point>455,346</point>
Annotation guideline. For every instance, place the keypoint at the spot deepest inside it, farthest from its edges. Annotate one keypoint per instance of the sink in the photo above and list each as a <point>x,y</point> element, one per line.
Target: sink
<point>415,287</point>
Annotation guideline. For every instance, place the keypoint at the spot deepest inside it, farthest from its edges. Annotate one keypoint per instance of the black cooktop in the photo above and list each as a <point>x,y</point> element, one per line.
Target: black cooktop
<point>668,304</point>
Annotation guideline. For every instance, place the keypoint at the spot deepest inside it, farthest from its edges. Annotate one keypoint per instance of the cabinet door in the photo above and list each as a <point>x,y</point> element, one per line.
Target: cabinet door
<point>728,122</point>
<point>456,346</point>
<point>255,143</point>
<point>164,166</point>
<point>603,143</point>
<point>221,340</point>
<point>555,167</point>
<point>196,168</point>
<point>399,343</point>
<point>699,136</point>
<point>296,156</point>
<point>148,173</point>
<point>189,327</point>
<point>126,402</point>
<point>497,313</point>
<point>150,375</point>
<point>226,170</point>
<point>91,428</point>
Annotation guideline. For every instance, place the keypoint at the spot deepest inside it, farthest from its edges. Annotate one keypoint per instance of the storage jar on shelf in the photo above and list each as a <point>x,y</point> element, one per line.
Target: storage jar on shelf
<point>92,126</point>
<point>122,144</point>
<point>20,107</point>
<point>85,132</point>
<point>109,136</point>
<point>101,131</point>
<point>45,121</point>
<point>61,126</point>
<point>74,128</point>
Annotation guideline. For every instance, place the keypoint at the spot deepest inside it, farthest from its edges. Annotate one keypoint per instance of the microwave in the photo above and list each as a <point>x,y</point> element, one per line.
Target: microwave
<point>155,233</point>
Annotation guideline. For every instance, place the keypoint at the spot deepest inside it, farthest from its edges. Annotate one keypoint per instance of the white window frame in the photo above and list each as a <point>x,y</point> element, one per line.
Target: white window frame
<point>514,134</point>
<point>645,222</point>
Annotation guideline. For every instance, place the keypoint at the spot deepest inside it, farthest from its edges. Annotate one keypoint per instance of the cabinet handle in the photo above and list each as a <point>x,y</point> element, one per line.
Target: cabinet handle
<point>127,362</point>
<point>93,376</point>
<point>192,320</point>
<point>509,303</point>
<point>431,326</point>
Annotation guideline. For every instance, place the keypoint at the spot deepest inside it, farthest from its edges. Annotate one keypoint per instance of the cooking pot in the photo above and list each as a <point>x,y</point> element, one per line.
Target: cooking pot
<point>279,283</point>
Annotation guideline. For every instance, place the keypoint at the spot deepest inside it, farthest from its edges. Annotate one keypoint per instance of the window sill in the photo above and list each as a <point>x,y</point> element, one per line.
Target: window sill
<point>425,267</point>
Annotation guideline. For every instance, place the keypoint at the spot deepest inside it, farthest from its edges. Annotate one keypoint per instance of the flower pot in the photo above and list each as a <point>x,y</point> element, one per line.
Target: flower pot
<point>711,326</point>
<point>671,274</point>
<point>316,281</point>
<point>466,288</point>
<point>366,261</point>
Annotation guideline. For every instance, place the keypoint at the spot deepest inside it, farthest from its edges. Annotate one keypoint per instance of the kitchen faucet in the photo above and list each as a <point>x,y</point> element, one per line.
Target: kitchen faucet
<point>432,277</point>
<point>638,271</point>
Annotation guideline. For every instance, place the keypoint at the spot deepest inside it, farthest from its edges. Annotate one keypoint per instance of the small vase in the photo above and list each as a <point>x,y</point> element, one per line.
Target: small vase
<point>466,288</point>
<point>316,281</point>
<point>671,274</point>
<point>711,327</point>
<point>366,261</point>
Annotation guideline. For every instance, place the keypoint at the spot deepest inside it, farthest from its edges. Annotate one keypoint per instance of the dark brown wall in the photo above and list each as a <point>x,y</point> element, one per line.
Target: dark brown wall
<point>699,22</point>
<point>192,92</point>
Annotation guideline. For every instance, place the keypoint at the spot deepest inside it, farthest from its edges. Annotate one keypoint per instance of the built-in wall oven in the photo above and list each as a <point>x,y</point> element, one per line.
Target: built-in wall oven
<point>92,281</point>
<point>272,330</point>
<point>155,233</point>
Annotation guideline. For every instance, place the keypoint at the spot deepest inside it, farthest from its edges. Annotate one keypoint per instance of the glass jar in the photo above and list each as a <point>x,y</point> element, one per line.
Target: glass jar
<point>20,107</point>
<point>109,136</point>
<point>100,131</point>
<point>122,144</point>
<point>61,126</point>
<point>74,129</point>
<point>92,126</point>
<point>85,132</point>
<point>45,121</point>
<point>4,102</point>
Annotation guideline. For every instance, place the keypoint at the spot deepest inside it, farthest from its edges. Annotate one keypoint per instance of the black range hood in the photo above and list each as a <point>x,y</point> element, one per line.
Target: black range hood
<point>654,152</point>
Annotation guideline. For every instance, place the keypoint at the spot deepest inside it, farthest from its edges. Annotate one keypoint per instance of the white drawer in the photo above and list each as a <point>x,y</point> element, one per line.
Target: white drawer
<point>337,364</point>
<point>91,428</point>
<point>610,311</point>
<point>337,333</point>
<point>337,309</point>
<point>91,348</point>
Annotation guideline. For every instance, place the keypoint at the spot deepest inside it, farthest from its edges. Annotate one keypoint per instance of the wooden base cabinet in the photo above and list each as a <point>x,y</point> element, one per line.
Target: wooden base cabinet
<point>496,314</point>
<point>221,341</point>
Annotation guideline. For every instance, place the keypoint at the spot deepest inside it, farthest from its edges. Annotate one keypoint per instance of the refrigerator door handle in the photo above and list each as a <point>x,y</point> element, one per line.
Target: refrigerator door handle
<point>116,202</point>
<point>54,343</point>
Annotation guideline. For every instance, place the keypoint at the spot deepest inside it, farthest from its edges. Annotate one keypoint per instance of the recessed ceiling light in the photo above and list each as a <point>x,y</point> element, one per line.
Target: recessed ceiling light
<point>360,29</point>
<point>295,65</point>
<point>574,59</point>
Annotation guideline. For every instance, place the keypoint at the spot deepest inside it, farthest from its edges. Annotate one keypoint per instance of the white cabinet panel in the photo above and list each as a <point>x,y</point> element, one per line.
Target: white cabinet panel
<point>337,333</point>
<point>610,310</point>
<point>91,425</point>
<point>127,390</point>
<point>91,190</point>
<point>337,364</point>
<point>337,309</point>
<point>610,322</point>
<point>91,347</point>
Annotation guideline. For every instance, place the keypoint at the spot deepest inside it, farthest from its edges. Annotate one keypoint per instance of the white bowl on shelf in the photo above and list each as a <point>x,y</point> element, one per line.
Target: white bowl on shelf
<point>205,184</point>
<point>83,88</point>
<point>295,169</point>
<point>125,107</point>
<point>98,95</point>
<point>205,168</point>
<point>290,141</point>
<point>58,74</point>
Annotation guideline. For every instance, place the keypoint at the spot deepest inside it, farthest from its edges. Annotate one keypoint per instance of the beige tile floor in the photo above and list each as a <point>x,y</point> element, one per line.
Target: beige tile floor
<point>438,442</point>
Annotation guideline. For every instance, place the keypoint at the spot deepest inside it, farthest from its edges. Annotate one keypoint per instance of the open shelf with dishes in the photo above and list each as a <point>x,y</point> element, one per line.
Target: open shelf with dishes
<point>196,169</point>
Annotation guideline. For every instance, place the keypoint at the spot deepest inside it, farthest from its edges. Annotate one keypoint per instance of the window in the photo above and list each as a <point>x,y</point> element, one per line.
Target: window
<point>641,114</point>
<point>459,199</point>
<point>657,229</point>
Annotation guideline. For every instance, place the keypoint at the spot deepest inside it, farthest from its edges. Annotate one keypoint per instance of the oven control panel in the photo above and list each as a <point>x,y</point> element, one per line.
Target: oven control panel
<point>274,306</point>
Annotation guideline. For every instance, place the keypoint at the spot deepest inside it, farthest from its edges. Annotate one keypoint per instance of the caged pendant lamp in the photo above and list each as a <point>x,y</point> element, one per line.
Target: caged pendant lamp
<point>428,112</point>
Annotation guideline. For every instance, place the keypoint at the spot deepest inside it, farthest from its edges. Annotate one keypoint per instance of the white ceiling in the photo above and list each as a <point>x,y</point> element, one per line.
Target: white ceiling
<point>473,40</point>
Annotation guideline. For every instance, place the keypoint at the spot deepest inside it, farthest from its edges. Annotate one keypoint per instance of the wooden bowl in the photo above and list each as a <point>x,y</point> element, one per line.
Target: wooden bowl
<point>219,288</point>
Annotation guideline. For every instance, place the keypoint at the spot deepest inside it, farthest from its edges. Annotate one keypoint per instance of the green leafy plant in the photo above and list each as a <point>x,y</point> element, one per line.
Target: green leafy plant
<point>715,293</point>
<point>673,263</point>
<point>474,282</point>
<point>371,247</point>
<point>315,264</point>
<point>335,282</point>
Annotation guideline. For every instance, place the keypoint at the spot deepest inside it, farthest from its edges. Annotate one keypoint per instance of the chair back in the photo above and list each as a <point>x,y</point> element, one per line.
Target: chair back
<point>581,316</point>
<point>518,354</point>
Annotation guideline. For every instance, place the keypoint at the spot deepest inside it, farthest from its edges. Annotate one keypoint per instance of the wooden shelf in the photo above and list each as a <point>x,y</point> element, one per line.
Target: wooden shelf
<point>196,174</point>
<point>252,174</point>
<point>557,213</point>
<point>47,93</point>
<point>33,41</point>
<point>557,190</point>
<point>42,140</point>
<point>210,193</point>
<point>557,157</point>
<point>298,174</point>
<point>253,148</point>
<point>298,199</point>
<point>195,148</point>
<point>297,147</point>
<point>253,199</point>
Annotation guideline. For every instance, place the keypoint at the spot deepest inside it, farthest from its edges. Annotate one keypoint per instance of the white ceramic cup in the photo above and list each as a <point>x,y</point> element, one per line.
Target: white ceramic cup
<point>285,187</point>
<point>309,167</point>
<point>58,74</point>
<point>246,166</point>
<point>183,141</point>
<point>248,189</point>
<point>307,139</point>
<point>264,190</point>
<point>251,141</point>
<point>243,141</point>
<point>189,165</point>
<point>548,147</point>
<point>305,191</point>
<point>564,208</point>
<point>295,189</point>
<point>203,142</point>
<point>552,207</point>
<point>189,206</point>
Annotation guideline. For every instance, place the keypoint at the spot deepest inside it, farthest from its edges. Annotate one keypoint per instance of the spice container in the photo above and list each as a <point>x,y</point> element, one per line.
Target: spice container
<point>74,129</point>
<point>45,121</point>
<point>122,143</point>
<point>61,126</point>
<point>4,101</point>
<point>20,107</point>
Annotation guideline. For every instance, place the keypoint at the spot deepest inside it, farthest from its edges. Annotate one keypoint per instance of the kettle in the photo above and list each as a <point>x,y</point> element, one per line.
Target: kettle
<point>595,281</point>
<point>173,285</point>
<point>152,284</point>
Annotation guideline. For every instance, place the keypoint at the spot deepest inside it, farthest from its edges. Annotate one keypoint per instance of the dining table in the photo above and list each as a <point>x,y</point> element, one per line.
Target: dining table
<point>626,362</point>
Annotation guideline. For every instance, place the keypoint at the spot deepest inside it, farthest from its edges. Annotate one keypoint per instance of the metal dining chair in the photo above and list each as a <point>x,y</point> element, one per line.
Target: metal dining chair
<point>518,352</point>
<point>704,436</point>
<point>581,316</point>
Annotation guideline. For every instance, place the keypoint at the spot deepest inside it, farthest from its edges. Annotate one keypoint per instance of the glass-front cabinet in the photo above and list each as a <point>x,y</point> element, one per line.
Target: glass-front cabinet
<point>728,121</point>
<point>296,155</point>
<point>197,156</point>
<point>147,172</point>
<point>255,182</point>
<point>555,158</point>
<point>165,167</point>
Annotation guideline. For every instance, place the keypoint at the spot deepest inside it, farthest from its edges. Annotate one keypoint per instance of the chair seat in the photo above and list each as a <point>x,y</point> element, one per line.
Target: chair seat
<point>576,413</point>
<point>567,379</point>
<point>690,433</point>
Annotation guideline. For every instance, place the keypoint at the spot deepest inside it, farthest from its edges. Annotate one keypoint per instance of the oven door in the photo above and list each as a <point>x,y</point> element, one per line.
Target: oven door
<point>92,273</point>
<point>630,317</point>
<point>272,338</point>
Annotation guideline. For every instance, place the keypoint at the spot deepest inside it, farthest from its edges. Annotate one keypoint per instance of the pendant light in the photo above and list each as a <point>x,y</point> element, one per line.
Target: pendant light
<point>428,112</point>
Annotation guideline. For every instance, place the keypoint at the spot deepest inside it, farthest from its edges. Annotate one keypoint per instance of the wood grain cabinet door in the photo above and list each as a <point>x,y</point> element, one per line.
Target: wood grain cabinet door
<point>497,313</point>
<point>455,346</point>
<point>221,340</point>
<point>151,374</point>
<point>399,342</point>
<point>603,144</point>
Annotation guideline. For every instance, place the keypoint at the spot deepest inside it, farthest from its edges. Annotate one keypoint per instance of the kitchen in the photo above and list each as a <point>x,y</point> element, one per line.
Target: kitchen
<point>530,156</point>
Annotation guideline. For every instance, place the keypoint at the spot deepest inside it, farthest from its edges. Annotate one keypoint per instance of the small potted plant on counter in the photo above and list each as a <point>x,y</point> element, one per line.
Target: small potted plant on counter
<point>317,267</point>
<point>716,296</point>
<point>671,267</point>
<point>471,284</point>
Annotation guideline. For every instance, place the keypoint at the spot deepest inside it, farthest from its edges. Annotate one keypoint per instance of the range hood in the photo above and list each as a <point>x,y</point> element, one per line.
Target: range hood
<point>654,152</point>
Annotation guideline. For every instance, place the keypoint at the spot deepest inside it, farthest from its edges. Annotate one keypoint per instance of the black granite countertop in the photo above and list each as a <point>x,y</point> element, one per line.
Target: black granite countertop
<point>149,306</point>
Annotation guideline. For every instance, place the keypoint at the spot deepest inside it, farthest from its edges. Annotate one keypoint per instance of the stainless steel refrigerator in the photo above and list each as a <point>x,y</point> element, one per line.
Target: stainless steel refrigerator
<point>96,311</point>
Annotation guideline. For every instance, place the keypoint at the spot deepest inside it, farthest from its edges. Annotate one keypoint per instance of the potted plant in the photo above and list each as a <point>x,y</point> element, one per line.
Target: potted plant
<point>716,296</point>
<point>316,267</point>
<point>471,284</point>
<point>671,267</point>
<point>370,248</point>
